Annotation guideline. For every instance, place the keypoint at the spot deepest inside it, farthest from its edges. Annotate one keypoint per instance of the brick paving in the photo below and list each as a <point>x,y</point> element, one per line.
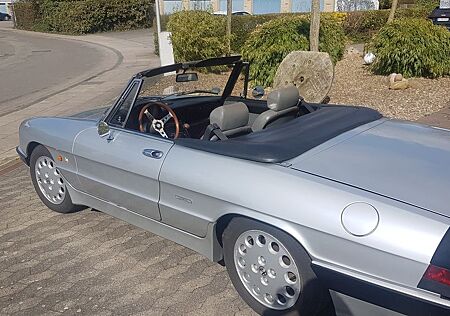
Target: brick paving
<point>90,263</point>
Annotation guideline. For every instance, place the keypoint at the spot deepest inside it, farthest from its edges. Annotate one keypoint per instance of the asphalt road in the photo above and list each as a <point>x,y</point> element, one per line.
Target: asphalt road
<point>33,66</point>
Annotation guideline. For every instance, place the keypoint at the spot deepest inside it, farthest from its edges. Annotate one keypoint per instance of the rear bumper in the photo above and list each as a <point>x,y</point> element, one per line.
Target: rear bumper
<point>22,156</point>
<point>378,295</point>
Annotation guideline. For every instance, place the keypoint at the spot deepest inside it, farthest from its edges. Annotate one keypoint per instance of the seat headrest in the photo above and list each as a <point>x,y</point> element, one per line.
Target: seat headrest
<point>230,116</point>
<point>283,98</point>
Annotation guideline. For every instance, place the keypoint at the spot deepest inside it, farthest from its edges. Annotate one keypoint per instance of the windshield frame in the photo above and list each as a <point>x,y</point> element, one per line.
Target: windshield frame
<point>233,61</point>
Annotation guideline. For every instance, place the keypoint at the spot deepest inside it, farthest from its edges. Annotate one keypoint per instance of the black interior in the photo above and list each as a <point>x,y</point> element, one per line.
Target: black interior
<point>192,112</point>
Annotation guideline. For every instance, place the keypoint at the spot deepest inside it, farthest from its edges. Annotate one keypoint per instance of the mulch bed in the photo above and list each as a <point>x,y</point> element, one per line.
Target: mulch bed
<point>354,84</point>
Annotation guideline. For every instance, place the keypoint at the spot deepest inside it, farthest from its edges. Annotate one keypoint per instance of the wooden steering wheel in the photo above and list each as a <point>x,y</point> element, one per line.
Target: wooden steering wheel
<point>158,124</point>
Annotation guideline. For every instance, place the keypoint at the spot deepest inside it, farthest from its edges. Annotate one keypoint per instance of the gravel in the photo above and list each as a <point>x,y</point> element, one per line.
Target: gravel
<point>355,85</point>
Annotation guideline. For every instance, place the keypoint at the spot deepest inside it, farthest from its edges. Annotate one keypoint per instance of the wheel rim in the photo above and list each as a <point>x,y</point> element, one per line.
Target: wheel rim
<point>267,270</point>
<point>49,180</point>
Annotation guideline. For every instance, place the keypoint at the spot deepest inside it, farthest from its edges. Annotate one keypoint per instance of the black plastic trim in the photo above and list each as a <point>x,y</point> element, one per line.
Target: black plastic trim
<point>435,287</point>
<point>441,257</point>
<point>22,156</point>
<point>377,295</point>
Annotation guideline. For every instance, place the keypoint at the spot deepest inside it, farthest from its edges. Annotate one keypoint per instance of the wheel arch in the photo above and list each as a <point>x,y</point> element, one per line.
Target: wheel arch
<point>29,150</point>
<point>289,229</point>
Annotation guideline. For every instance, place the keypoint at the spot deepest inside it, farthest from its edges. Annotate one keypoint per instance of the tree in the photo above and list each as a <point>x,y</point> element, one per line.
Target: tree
<point>315,26</point>
<point>392,12</point>
<point>229,13</point>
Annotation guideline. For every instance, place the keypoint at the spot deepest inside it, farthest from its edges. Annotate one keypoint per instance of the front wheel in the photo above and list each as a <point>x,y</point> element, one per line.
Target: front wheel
<point>271,271</point>
<point>49,182</point>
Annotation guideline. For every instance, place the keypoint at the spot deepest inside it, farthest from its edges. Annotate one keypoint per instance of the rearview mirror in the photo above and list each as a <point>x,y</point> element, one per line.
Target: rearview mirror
<point>258,92</point>
<point>102,129</point>
<point>187,76</point>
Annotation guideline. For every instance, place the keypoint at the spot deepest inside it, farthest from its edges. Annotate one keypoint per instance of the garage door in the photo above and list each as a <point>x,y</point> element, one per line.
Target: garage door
<point>304,5</point>
<point>266,6</point>
<point>238,5</point>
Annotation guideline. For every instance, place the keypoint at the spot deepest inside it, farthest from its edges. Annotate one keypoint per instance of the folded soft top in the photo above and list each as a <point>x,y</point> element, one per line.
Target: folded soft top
<point>282,143</point>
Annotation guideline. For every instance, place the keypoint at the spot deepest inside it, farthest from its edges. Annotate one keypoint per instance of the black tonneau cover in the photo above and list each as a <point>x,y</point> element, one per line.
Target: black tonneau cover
<point>282,143</point>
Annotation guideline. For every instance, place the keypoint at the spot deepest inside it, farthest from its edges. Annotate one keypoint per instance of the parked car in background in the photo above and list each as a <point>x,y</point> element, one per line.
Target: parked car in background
<point>4,16</point>
<point>441,16</point>
<point>234,13</point>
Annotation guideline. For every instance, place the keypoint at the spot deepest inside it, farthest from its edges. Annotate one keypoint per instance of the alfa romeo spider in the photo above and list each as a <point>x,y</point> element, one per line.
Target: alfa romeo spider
<point>296,199</point>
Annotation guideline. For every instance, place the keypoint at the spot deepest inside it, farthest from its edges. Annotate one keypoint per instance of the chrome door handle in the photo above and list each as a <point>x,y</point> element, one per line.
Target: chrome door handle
<point>152,153</point>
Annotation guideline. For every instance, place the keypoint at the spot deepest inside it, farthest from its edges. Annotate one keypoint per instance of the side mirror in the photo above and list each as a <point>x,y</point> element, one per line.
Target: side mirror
<point>187,77</point>
<point>102,128</point>
<point>215,90</point>
<point>258,92</point>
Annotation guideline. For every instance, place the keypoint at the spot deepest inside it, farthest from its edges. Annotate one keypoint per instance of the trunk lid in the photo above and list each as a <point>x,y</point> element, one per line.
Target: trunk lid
<point>401,160</point>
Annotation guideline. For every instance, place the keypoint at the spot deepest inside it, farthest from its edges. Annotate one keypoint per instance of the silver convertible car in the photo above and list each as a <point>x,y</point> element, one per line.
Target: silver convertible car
<point>297,200</point>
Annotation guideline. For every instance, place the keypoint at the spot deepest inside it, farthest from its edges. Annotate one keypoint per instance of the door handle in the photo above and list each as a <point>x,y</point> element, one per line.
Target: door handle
<point>110,137</point>
<point>153,153</point>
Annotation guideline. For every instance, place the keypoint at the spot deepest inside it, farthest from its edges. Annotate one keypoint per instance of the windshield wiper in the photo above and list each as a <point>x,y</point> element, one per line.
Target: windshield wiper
<point>177,94</point>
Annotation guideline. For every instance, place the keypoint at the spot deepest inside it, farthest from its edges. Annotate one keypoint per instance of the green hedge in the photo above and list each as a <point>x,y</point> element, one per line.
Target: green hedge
<point>269,44</point>
<point>197,35</point>
<point>412,47</point>
<point>83,16</point>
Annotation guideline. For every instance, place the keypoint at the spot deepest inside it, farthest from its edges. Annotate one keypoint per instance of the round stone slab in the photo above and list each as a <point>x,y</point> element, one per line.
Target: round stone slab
<point>311,72</point>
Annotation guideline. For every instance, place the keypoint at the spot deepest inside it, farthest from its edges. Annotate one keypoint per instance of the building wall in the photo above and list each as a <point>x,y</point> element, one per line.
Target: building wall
<point>251,6</point>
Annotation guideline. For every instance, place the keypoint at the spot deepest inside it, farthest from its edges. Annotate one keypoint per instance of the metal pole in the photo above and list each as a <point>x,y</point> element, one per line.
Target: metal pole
<point>229,13</point>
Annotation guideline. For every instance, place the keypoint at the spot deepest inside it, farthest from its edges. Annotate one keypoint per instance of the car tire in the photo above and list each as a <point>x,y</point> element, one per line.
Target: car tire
<point>49,183</point>
<point>271,271</point>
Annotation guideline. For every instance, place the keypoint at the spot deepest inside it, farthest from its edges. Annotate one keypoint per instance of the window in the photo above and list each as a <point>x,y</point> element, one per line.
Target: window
<point>121,113</point>
<point>238,5</point>
<point>266,6</point>
<point>200,5</point>
<point>171,6</point>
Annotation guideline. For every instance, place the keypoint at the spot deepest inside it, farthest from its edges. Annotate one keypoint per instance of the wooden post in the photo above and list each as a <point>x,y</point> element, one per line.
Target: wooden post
<point>392,12</point>
<point>315,26</point>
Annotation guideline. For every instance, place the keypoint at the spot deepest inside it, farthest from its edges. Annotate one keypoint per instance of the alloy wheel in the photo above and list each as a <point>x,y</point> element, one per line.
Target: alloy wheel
<point>49,180</point>
<point>267,270</point>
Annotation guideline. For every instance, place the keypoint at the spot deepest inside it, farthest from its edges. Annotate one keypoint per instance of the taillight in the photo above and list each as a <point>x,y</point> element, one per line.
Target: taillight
<point>437,274</point>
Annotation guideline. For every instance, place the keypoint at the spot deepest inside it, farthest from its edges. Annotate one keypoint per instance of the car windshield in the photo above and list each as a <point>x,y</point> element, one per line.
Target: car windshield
<point>189,82</point>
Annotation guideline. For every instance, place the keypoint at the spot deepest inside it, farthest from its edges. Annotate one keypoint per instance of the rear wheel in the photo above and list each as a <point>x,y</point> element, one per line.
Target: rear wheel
<point>271,271</point>
<point>49,182</point>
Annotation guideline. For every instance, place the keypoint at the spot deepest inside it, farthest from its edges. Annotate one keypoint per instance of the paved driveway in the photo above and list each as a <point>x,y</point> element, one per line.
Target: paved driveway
<point>90,263</point>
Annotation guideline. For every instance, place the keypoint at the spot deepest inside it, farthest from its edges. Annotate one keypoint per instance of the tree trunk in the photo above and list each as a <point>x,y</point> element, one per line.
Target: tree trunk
<point>229,13</point>
<point>392,12</point>
<point>315,26</point>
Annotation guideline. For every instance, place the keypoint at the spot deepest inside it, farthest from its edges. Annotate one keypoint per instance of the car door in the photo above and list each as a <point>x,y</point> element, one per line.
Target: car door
<point>122,167</point>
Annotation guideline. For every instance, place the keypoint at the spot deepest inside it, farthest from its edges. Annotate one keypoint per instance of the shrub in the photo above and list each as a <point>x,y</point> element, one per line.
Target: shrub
<point>243,25</point>
<point>83,16</point>
<point>272,41</point>
<point>362,25</point>
<point>412,47</point>
<point>197,35</point>
<point>428,5</point>
<point>26,14</point>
